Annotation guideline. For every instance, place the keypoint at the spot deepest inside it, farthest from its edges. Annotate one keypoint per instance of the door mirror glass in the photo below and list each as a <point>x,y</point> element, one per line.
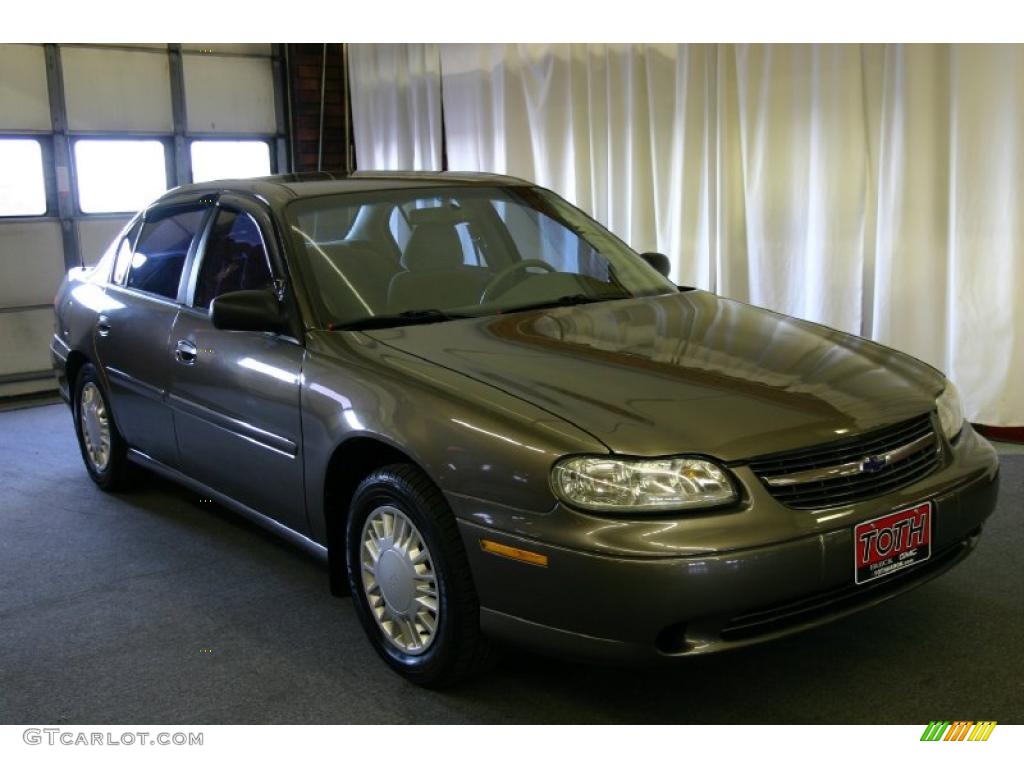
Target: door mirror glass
<point>247,311</point>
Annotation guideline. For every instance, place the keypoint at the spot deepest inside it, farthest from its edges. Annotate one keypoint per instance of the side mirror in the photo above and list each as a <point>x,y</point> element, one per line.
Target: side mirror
<point>659,261</point>
<point>247,311</point>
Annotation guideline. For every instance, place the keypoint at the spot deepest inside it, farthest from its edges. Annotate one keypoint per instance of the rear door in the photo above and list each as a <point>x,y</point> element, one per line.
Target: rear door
<point>132,332</point>
<point>235,394</point>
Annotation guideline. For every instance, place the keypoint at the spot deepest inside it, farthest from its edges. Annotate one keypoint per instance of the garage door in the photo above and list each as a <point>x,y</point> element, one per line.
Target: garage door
<point>91,133</point>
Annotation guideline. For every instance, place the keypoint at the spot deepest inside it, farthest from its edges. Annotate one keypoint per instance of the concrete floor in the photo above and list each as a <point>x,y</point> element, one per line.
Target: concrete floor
<point>153,607</point>
<point>1008,449</point>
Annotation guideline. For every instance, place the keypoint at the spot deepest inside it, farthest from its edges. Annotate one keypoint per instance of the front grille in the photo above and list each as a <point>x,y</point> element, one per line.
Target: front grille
<point>820,606</point>
<point>848,489</point>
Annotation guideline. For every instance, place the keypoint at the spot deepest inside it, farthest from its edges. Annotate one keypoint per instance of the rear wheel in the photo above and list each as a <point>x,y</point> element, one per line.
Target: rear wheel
<point>410,579</point>
<point>103,449</point>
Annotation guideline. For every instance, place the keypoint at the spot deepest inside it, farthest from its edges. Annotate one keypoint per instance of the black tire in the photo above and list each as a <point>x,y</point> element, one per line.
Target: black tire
<point>115,475</point>
<point>458,648</point>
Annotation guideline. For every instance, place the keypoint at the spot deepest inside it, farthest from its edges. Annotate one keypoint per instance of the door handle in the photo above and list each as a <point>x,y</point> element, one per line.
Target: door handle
<point>185,352</point>
<point>103,325</point>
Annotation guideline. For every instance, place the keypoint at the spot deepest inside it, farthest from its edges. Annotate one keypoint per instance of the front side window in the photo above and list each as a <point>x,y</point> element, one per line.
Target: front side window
<point>235,259</point>
<point>160,253</point>
<point>538,233</point>
<point>456,252</point>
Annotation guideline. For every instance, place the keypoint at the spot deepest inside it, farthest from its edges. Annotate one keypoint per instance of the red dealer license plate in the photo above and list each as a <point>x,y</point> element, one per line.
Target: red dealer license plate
<point>891,543</point>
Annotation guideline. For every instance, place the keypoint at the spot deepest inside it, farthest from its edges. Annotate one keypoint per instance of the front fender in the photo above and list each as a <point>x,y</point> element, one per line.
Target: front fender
<point>472,439</point>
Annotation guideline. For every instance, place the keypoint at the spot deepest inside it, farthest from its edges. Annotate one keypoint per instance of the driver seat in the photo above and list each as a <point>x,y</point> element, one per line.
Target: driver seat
<point>435,276</point>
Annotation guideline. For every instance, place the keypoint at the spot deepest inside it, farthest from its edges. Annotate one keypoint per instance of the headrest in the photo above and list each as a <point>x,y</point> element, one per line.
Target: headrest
<point>347,250</point>
<point>433,246</point>
<point>438,214</point>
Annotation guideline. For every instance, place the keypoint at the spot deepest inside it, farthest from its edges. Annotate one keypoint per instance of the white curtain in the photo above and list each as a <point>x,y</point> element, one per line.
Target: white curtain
<point>396,106</point>
<point>948,218</point>
<point>877,189</point>
<point>794,180</point>
<point>620,131</point>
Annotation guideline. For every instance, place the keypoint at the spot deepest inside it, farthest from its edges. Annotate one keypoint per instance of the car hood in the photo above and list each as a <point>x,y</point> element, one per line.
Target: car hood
<point>683,373</point>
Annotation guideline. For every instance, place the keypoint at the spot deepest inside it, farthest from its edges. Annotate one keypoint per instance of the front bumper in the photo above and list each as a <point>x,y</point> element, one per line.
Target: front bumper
<point>642,606</point>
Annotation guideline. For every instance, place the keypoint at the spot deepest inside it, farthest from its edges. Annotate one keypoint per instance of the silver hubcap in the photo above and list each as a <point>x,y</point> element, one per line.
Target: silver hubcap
<point>399,580</point>
<point>92,412</point>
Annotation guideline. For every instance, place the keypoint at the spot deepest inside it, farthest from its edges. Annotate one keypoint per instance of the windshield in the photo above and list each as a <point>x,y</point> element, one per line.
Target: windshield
<point>431,254</point>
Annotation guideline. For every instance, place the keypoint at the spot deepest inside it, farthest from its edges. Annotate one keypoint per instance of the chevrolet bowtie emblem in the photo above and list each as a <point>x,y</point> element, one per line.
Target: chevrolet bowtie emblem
<point>874,464</point>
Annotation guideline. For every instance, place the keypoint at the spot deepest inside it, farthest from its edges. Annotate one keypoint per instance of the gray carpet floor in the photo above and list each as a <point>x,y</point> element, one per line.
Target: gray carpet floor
<point>152,607</point>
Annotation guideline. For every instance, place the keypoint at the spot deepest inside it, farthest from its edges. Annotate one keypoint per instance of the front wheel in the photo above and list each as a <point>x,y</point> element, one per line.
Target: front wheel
<point>103,449</point>
<point>410,579</point>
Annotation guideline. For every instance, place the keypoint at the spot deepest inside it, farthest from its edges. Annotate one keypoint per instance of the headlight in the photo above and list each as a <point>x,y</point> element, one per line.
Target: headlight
<point>641,485</point>
<point>951,415</point>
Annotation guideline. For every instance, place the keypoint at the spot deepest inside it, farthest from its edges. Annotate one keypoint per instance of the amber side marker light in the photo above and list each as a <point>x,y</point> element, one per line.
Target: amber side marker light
<point>522,555</point>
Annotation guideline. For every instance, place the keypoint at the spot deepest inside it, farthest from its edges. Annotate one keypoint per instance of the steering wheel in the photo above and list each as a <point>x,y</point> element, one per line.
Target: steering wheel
<point>499,280</point>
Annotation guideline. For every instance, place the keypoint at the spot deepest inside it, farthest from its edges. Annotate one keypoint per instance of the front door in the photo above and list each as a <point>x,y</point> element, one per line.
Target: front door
<point>235,394</point>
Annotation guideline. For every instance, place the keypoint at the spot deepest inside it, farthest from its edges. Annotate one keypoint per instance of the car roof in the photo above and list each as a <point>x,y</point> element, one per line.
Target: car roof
<point>290,186</point>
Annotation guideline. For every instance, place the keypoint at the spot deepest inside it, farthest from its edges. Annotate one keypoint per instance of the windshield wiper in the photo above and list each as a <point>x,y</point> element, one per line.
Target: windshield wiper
<point>565,301</point>
<point>409,317</point>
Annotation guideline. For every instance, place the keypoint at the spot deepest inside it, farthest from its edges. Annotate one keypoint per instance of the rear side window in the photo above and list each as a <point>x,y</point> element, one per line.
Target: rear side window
<point>160,253</point>
<point>123,258</point>
<point>538,236</point>
<point>235,259</point>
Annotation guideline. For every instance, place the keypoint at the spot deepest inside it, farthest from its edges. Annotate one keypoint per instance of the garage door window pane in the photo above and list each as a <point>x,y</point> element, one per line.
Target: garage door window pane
<point>119,176</point>
<point>229,160</point>
<point>22,190</point>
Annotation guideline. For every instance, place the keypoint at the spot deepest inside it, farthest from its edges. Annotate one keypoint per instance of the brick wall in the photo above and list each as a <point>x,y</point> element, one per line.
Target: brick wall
<point>305,63</point>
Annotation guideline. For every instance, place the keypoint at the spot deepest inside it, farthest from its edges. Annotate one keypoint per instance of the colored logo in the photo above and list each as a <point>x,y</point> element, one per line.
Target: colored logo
<point>874,464</point>
<point>959,730</point>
